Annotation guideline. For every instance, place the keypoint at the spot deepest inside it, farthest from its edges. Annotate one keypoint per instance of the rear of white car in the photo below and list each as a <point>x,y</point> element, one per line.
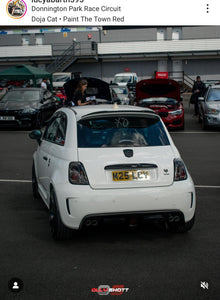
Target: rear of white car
<point>120,163</point>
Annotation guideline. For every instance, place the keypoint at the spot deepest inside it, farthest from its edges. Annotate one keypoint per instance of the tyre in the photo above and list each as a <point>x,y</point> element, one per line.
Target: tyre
<point>58,230</point>
<point>34,184</point>
<point>39,121</point>
<point>181,227</point>
<point>204,125</point>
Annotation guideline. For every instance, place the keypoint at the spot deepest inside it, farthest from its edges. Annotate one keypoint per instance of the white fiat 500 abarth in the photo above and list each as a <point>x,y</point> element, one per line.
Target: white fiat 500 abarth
<point>98,163</point>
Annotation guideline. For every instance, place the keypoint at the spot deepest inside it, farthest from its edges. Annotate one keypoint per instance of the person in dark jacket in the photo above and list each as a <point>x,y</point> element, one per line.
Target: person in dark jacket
<point>198,89</point>
<point>79,95</point>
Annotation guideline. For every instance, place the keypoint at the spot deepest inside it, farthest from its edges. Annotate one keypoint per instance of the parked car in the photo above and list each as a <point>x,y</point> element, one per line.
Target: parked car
<point>18,12</point>
<point>98,90</point>
<point>26,107</point>
<point>99,163</point>
<point>122,79</point>
<point>209,107</point>
<point>120,94</point>
<point>163,96</point>
<point>210,82</point>
<point>59,79</point>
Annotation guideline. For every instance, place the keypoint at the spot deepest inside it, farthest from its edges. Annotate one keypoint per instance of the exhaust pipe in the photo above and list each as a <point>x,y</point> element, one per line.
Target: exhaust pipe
<point>173,219</point>
<point>94,222</point>
<point>88,223</point>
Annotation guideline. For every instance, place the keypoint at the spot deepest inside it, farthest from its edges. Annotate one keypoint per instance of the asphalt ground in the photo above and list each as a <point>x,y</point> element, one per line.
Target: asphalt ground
<point>152,263</point>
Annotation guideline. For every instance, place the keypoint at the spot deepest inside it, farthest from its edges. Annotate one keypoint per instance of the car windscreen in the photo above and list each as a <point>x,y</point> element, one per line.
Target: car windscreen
<point>123,79</point>
<point>121,131</point>
<point>61,78</point>
<point>21,96</point>
<point>214,95</point>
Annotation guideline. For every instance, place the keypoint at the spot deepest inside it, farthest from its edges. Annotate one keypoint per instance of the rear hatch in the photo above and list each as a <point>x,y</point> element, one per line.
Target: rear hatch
<point>110,168</point>
<point>125,150</point>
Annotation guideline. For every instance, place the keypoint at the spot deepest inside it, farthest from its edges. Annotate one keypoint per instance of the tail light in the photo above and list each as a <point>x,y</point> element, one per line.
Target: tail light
<point>77,174</point>
<point>179,170</point>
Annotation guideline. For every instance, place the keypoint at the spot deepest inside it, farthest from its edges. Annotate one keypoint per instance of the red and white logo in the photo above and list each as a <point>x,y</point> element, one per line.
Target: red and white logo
<point>115,290</point>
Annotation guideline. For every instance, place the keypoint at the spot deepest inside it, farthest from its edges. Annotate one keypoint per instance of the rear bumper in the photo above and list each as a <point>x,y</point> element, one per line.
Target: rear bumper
<point>133,218</point>
<point>79,203</point>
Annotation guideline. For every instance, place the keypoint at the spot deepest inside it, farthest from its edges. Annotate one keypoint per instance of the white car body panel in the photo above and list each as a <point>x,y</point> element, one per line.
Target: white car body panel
<point>102,178</point>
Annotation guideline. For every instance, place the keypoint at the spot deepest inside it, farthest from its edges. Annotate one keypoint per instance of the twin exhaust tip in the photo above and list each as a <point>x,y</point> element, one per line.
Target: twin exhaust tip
<point>173,219</point>
<point>91,223</point>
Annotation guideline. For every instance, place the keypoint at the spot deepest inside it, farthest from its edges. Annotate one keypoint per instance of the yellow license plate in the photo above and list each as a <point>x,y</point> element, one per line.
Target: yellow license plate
<point>130,175</point>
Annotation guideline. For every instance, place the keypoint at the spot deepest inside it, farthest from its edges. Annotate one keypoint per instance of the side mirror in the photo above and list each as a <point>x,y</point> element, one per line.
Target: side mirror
<point>47,95</point>
<point>36,135</point>
<point>201,99</point>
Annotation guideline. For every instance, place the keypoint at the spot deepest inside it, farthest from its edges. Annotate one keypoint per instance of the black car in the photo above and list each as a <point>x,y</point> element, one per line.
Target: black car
<point>26,107</point>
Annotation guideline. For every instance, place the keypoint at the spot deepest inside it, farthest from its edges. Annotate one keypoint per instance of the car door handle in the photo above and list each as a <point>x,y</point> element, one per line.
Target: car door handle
<point>45,158</point>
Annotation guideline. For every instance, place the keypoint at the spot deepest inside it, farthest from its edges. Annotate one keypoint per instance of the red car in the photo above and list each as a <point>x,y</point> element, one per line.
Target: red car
<point>162,96</point>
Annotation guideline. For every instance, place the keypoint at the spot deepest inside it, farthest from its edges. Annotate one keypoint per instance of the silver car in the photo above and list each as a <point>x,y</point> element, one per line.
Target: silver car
<point>209,107</point>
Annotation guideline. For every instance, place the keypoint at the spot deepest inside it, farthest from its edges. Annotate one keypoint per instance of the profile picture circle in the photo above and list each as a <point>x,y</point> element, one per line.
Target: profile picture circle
<point>16,9</point>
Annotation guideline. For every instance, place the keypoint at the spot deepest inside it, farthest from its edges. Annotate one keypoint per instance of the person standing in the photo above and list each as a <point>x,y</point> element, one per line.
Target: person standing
<point>44,84</point>
<point>198,89</point>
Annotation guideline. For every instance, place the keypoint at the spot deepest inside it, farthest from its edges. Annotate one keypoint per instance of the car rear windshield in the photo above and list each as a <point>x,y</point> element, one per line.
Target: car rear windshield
<point>121,131</point>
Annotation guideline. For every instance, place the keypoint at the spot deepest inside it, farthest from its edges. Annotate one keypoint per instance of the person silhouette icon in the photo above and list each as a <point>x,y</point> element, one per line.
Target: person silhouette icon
<point>15,286</point>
